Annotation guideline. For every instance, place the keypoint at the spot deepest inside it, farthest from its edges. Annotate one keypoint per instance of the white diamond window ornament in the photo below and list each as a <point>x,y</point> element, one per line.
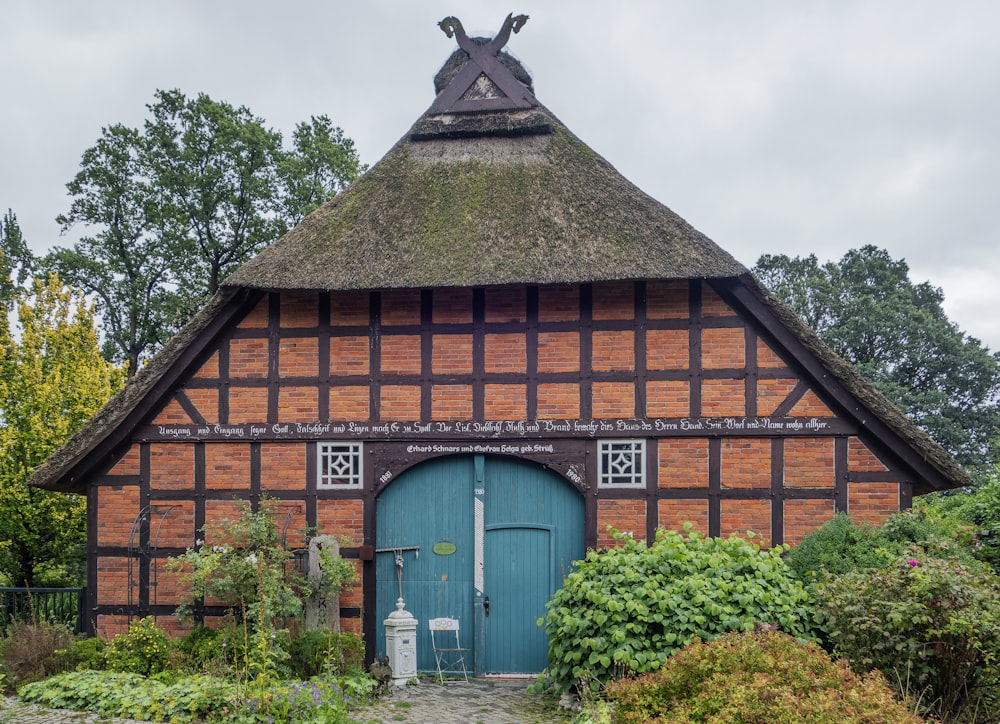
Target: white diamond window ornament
<point>340,465</point>
<point>622,463</point>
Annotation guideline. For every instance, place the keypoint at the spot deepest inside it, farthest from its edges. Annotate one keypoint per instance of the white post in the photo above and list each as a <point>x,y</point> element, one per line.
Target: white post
<point>401,644</point>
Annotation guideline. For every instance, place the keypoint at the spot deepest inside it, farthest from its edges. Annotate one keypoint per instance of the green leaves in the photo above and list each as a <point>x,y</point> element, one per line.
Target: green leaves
<point>630,607</point>
<point>172,209</point>
<point>52,379</point>
<point>931,624</point>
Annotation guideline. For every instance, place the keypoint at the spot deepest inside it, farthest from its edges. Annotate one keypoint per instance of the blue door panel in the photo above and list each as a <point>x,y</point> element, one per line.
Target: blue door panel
<point>533,529</point>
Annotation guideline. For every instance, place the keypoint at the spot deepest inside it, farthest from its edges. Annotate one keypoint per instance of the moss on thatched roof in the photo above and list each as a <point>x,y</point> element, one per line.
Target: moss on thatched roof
<point>515,198</point>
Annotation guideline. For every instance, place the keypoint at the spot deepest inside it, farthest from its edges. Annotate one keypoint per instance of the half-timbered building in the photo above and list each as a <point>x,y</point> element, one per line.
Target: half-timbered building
<point>475,361</point>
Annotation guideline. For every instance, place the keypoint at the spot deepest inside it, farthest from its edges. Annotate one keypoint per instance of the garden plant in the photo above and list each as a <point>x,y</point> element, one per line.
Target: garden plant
<point>627,609</point>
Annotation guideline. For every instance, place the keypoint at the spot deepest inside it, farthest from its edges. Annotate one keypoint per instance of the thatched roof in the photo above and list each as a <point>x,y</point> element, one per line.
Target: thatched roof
<point>504,196</point>
<point>498,198</point>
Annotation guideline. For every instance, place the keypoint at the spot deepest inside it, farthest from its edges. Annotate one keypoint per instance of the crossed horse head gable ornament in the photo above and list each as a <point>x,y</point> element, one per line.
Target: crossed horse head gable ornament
<point>484,63</point>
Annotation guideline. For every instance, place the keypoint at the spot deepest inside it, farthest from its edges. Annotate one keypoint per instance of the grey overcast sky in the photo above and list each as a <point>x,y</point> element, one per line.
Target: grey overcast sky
<point>776,126</point>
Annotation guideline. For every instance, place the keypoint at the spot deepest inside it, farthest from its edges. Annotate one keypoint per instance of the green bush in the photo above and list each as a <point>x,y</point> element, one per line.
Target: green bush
<point>974,514</point>
<point>841,545</point>
<point>625,610</point>
<point>82,654</point>
<point>144,650</point>
<point>325,652</point>
<point>755,677</point>
<point>932,625</point>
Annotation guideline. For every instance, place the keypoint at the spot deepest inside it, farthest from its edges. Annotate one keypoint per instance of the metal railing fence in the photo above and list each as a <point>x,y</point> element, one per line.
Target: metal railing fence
<point>55,605</point>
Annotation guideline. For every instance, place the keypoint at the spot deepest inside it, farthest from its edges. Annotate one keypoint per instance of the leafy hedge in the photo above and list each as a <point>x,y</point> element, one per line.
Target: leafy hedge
<point>756,677</point>
<point>625,610</point>
<point>932,625</point>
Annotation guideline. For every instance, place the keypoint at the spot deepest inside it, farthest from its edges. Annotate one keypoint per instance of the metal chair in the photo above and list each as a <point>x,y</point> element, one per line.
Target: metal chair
<point>450,657</point>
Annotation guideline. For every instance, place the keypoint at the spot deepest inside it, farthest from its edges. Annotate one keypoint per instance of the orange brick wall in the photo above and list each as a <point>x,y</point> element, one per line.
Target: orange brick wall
<point>451,354</point>
<point>872,502</point>
<point>558,304</point>
<point>298,403</point>
<point>206,401</point>
<point>667,349</point>
<point>227,466</point>
<point>625,516</point>
<point>247,358</point>
<point>298,357</point>
<point>298,309</point>
<point>613,300</point>
<point>712,304</point>
<point>809,462</point>
<point>723,398</point>
<point>172,414</point>
<point>861,459</point>
<point>568,360</point>
<point>452,306</point>
<point>505,353</point>
<point>349,403</point>
<point>673,514</point>
<point>746,463</point>
<point>349,355</point>
<point>740,516</point>
<point>117,508</point>
<point>723,348</point>
<point>613,350</point>
<point>508,304</point>
<point>668,398</point>
<point>283,466</point>
<point>558,351</point>
<point>172,524</point>
<point>128,464</point>
<point>400,402</point>
<point>451,402</point>
<point>505,402</point>
<point>247,404</point>
<point>558,401</point>
<point>683,462</point>
<point>401,354</point>
<point>341,519</point>
<point>667,300</point>
<point>613,399</point>
<point>171,466</point>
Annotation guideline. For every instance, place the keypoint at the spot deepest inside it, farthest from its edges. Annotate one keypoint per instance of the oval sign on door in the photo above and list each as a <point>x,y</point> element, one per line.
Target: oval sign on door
<point>444,548</point>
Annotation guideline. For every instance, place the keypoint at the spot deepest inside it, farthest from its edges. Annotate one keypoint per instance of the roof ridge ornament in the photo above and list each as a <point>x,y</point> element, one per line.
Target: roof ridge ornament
<point>484,61</point>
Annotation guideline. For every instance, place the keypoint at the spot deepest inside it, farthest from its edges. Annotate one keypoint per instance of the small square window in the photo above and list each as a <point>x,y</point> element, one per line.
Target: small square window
<point>340,465</point>
<point>623,463</point>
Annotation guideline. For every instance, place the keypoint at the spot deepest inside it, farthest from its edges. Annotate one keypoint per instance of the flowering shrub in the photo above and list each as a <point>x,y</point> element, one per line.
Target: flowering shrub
<point>143,650</point>
<point>932,625</point>
<point>627,609</point>
<point>755,677</point>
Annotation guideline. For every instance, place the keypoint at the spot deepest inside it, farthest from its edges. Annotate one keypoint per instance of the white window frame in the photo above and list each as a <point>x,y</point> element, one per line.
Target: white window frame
<point>609,478</point>
<point>350,460</point>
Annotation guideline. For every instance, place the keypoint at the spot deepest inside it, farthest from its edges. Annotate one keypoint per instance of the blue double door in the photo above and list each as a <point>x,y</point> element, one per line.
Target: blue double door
<point>486,540</point>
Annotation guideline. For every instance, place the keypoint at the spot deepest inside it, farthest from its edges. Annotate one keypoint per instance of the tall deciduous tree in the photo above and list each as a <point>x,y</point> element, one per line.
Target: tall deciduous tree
<point>178,205</point>
<point>125,264</point>
<point>898,336</point>
<point>215,168</point>
<point>52,379</point>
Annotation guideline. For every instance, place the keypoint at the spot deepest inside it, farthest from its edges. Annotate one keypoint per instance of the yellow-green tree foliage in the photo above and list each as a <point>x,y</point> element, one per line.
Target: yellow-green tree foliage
<point>52,379</point>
